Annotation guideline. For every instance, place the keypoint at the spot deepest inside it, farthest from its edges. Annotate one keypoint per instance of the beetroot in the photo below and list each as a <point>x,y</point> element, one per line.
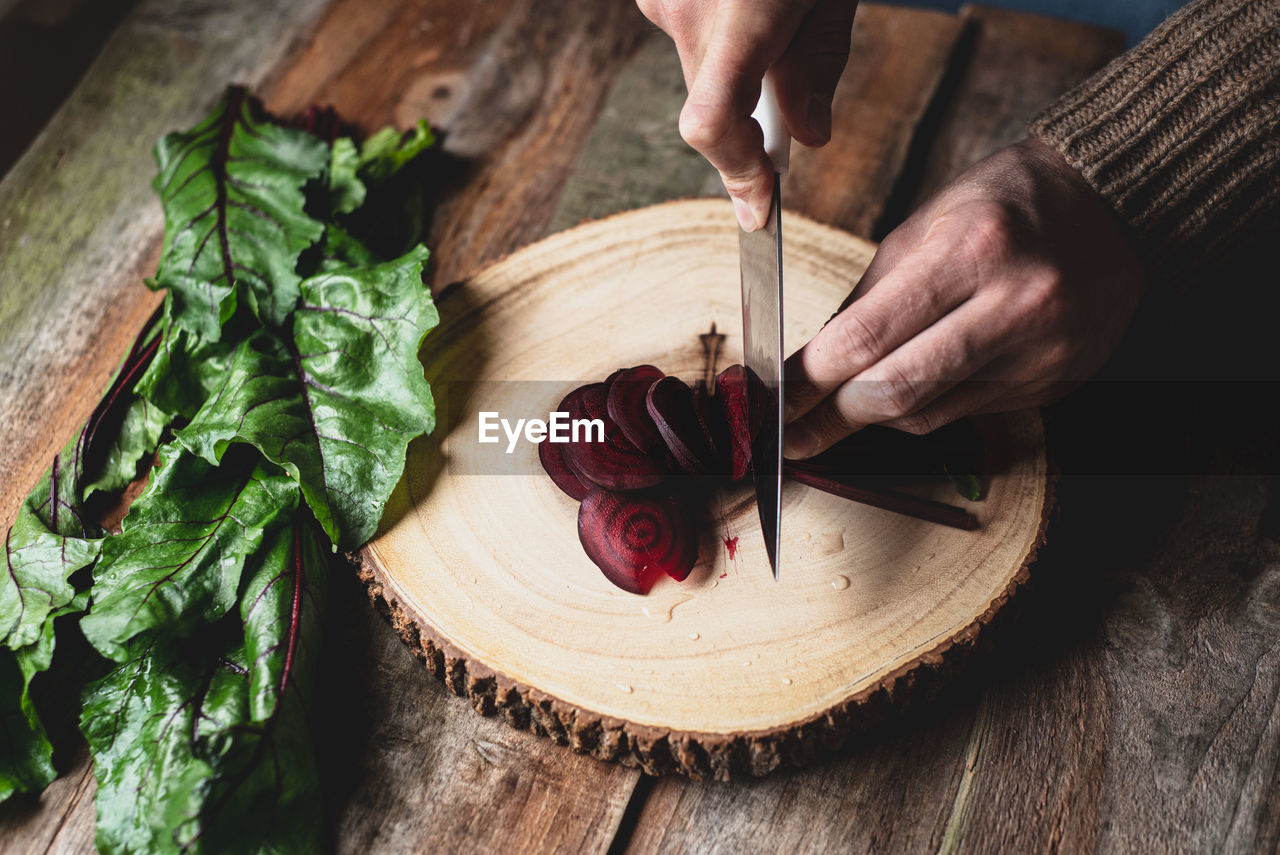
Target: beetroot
<point>731,389</point>
<point>711,418</point>
<point>626,405</point>
<point>591,402</point>
<point>670,403</point>
<point>634,539</point>
<point>614,464</point>
<point>552,459</point>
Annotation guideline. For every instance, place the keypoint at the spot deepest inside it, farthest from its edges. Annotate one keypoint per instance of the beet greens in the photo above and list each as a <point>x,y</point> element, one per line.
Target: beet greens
<point>277,389</point>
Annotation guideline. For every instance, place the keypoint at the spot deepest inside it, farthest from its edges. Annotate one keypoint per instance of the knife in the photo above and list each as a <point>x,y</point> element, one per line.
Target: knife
<point>760,260</point>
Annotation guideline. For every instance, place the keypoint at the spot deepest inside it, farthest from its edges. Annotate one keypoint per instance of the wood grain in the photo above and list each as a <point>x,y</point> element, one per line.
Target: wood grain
<point>479,549</point>
<point>898,60</point>
<point>513,87</point>
<point>409,764</point>
<point>1009,66</point>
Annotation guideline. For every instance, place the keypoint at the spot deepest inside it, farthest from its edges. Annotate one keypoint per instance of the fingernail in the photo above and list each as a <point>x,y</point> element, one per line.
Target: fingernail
<point>746,217</point>
<point>798,442</point>
<point>819,119</point>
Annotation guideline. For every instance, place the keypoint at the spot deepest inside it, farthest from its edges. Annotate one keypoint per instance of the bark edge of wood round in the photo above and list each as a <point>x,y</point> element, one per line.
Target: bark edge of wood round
<point>481,573</point>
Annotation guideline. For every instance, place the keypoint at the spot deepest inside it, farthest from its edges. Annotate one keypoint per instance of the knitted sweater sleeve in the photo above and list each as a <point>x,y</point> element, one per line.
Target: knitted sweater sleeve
<point>1181,135</point>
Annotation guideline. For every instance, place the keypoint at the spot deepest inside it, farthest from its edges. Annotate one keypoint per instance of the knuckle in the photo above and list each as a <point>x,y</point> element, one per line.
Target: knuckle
<point>920,423</point>
<point>891,397</point>
<point>1044,299</point>
<point>677,14</point>
<point>858,343</point>
<point>990,232</point>
<point>703,126</point>
<point>741,185</point>
<point>1056,352</point>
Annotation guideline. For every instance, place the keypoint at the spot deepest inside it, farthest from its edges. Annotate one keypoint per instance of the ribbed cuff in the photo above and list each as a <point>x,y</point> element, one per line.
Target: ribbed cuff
<point>1179,135</point>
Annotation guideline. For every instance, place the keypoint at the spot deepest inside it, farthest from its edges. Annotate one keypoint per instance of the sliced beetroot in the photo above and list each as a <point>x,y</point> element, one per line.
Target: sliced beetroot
<point>550,454</point>
<point>634,539</point>
<point>592,401</point>
<point>711,418</point>
<point>670,403</point>
<point>615,463</point>
<point>731,389</point>
<point>626,405</point>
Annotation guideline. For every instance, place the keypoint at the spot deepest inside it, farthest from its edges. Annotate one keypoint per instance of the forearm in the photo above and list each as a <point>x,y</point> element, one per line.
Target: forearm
<point>1181,135</point>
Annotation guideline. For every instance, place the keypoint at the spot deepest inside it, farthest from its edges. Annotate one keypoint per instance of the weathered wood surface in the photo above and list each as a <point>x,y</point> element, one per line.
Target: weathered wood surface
<point>1133,708</point>
<point>1008,66</point>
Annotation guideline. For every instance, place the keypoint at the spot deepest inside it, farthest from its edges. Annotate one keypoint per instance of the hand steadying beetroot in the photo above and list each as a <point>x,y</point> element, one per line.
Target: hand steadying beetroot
<point>1004,290</point>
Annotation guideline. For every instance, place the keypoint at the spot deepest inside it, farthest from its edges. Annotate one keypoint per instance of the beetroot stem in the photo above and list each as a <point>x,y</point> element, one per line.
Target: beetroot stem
<point>889,500</point>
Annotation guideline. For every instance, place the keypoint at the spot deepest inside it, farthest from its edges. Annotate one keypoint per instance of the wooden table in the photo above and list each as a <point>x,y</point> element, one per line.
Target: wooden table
<point>1132,704</point>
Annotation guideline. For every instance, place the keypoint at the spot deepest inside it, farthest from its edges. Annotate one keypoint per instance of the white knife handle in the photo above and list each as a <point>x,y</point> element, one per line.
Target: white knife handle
<point>777,142</point>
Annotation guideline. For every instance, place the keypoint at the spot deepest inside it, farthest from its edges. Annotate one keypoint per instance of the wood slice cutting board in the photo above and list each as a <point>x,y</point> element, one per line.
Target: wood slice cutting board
<point>478,561</point>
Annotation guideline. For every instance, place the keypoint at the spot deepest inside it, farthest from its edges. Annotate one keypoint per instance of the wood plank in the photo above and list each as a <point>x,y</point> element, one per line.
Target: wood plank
<point>514,87</point>
<point>418,769</point>
<point>1013,65</point>
<point>898,59</point>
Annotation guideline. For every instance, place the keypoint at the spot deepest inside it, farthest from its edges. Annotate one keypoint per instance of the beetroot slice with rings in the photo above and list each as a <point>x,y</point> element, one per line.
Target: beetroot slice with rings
<point>670,403</point>
<point>634,539</point>
<point>626,405</point>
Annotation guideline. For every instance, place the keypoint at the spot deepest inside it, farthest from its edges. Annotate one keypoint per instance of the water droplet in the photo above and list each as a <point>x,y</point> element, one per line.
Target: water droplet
<point>715,583</point>
<point>840,583</point>
<point>646,611</point>
<point>746,664</point>
<point>786,681</point>
<point>474,580</point>
<point>693,636</point>
<point>625,689</point>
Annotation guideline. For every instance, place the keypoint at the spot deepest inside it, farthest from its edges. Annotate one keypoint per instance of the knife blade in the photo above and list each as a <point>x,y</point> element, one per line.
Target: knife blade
<point>760,262</point>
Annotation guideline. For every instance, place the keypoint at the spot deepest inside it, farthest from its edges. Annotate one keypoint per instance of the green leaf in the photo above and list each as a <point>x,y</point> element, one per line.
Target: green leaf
<point>50,540</point>
<point>125,427</point>
<point>232,190</point>
<point>967,484</point>
<point>340,249</point>
<point>337,405</point>
<point>182,767</point>
<point>388,151</point>
<point>140,430</point>
<point>282,608</point>
<point>26,759</point>
<point>346,190</point>
<point>185,370</point>
<point>26,763</point>
<point>178,561</point>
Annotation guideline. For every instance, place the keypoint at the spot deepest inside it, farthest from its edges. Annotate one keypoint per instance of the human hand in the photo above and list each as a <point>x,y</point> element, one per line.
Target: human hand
<point>1005,290</point>
<point>725,47</point>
